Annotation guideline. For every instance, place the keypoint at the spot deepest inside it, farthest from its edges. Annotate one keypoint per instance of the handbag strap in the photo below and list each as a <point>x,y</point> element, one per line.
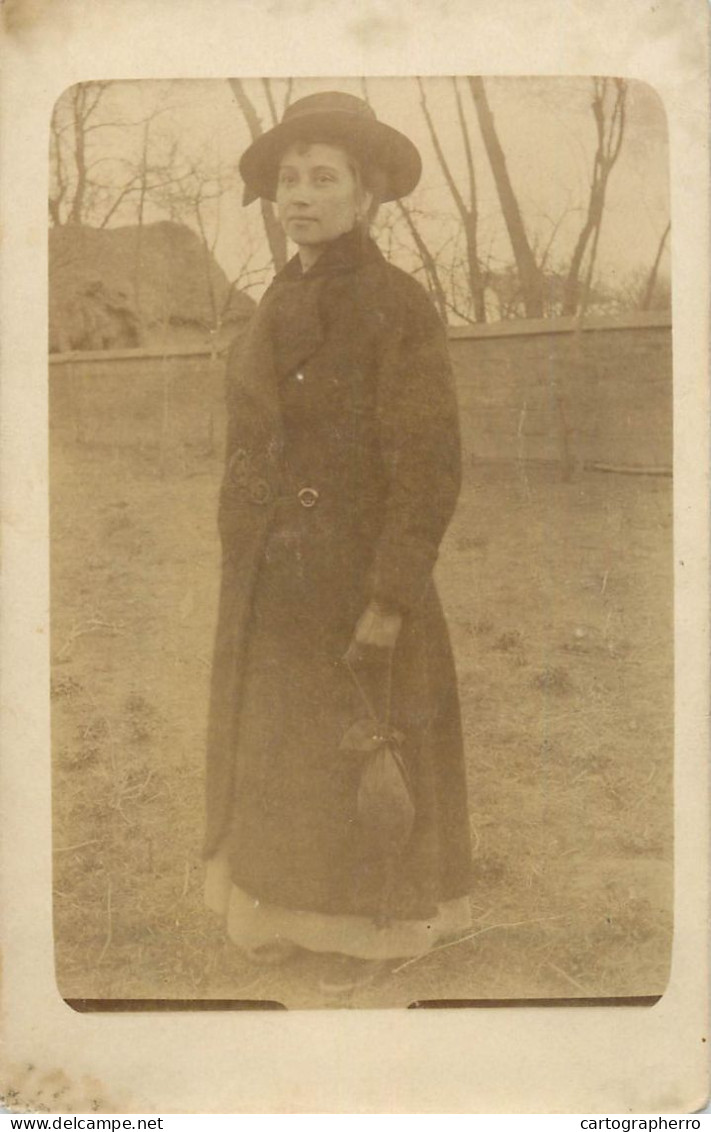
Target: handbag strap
<point>366,698</point>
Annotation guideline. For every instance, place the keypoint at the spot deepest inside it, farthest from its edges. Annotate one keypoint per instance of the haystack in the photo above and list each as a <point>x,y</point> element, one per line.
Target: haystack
<point>155,285</point>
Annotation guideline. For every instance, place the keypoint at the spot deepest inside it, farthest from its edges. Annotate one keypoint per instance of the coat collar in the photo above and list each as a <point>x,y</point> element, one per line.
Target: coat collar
<point>346,253</point>
<point>295,298</point>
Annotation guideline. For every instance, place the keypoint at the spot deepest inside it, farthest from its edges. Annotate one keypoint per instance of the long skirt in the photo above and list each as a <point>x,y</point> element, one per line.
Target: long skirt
<point>250,923</point>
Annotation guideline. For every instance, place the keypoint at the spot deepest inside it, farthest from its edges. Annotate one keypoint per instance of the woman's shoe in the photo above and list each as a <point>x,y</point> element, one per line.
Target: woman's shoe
<point>271,954</point>
<point>349,973</point>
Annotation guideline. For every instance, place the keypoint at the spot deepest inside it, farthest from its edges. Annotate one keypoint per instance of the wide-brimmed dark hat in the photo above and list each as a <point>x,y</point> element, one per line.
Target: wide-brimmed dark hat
<point>332,117</point>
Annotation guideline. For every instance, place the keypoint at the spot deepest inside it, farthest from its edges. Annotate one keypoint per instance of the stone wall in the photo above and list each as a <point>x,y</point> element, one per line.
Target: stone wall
<point>527,391</point>
<point>604,393</point>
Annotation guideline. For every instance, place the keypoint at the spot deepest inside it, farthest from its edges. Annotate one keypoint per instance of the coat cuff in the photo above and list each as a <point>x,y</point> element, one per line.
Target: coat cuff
<point>401,573</point>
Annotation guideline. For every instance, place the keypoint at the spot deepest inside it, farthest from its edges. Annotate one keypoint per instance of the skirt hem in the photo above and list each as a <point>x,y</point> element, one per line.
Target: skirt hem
<point>251,923</point>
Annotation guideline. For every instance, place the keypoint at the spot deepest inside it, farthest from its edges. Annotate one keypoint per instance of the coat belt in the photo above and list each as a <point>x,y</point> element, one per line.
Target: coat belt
<point>261,493</point>
<point>306,496</point>
<point>259,490</point>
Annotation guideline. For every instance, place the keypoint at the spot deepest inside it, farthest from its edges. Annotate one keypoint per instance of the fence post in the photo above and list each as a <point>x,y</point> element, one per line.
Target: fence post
<point>212,377</point>
<point>166,382</point>
<point>75,401</point>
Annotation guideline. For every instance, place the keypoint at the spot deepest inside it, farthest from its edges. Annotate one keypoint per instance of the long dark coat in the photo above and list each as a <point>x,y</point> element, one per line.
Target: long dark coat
<point>343,387</point>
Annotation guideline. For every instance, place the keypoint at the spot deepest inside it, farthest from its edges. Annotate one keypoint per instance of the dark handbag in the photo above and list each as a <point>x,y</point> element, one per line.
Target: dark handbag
<point>385,806</point>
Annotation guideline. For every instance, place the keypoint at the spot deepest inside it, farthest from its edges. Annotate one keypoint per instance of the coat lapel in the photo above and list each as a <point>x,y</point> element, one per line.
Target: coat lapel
<point>286,330</point>
<point>297,325</point>
<point>298,298</point>
<point>252,383</point>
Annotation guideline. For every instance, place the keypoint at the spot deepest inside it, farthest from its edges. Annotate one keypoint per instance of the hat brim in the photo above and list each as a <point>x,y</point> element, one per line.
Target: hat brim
<point>373,142</point>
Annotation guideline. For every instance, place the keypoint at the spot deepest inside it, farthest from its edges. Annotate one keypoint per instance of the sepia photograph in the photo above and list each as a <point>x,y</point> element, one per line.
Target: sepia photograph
<point>362,653</point>
<point>354,591</point>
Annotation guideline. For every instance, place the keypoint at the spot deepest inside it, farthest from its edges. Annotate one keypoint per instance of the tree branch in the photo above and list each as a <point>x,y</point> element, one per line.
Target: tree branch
<point>456,195</point>
<point>270,101</point>
<point>609,143</point>
<point>250,114</point>
<point>652,280</point>
<point>467,151</point>
<point>529,274</point>
<point>427,260</point>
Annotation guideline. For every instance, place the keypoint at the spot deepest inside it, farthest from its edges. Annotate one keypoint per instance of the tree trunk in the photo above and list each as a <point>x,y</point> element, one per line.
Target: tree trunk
<point>56,161</point>
<point>476,279</point>
<point>652,281</point>
<point>467,214</point>
<point>77,210</point>
<point>276,236</point>
<point>529,274</point>
<point>471,219</point>
<point>610,133</point>
<point>571,289</point>
<point>138,253</point>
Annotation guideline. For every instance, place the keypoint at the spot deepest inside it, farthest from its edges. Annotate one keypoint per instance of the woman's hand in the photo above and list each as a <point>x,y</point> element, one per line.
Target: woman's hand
<point>377,628</point>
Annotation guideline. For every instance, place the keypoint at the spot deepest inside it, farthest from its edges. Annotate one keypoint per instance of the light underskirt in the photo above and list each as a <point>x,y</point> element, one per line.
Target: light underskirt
<point>250,923</point>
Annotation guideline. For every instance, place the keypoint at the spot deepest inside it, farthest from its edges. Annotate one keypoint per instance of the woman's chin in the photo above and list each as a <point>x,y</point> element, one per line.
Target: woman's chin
<point>303,241</point>
<point>304,230</point>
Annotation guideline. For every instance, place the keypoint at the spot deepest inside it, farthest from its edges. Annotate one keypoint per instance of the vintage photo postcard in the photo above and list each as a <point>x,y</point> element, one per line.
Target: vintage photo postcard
<point>355,596</point>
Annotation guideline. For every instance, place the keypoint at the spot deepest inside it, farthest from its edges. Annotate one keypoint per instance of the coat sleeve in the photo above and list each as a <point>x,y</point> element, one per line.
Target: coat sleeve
<point>418,428</point>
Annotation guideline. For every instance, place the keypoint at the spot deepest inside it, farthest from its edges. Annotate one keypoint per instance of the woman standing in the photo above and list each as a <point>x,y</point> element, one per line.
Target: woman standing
<point>342,474</point>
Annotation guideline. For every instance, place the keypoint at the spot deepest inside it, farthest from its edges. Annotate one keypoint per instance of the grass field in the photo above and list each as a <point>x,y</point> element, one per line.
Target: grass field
<point>559,598</point>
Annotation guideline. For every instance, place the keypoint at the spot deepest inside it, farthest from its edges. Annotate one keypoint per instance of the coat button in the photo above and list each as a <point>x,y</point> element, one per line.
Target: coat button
<point>259,492</point>
<point>308,496</point>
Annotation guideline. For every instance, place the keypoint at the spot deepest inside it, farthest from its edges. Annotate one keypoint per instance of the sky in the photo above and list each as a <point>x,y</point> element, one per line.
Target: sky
<point>546,128</point>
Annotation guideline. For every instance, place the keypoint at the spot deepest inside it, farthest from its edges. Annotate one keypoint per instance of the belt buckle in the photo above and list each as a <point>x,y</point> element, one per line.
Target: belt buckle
<point>307,496</point>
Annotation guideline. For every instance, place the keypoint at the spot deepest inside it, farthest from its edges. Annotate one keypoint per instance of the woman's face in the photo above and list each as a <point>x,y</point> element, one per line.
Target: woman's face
<point>317,195</point>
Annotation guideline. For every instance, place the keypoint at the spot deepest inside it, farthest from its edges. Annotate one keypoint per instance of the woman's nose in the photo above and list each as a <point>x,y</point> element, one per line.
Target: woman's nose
<point>301,193</point>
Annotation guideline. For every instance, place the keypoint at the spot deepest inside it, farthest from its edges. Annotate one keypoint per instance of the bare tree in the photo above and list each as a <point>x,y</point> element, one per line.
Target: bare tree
<point>193,196</point>
<point>143,179</point>
<point>408,214</point>
<point>649,289</point>
<point>140,182</point>
<point>268,93</point>
<point>468,210</point>
<point>147,181</point>
<point>428,261</point>
<point>275,234</point>
<point>79,193</point>
<point>86,98</point>
<point>528,270</point>
<point>610,130</point>
<point>58,173</point>
<point>73,118</point>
